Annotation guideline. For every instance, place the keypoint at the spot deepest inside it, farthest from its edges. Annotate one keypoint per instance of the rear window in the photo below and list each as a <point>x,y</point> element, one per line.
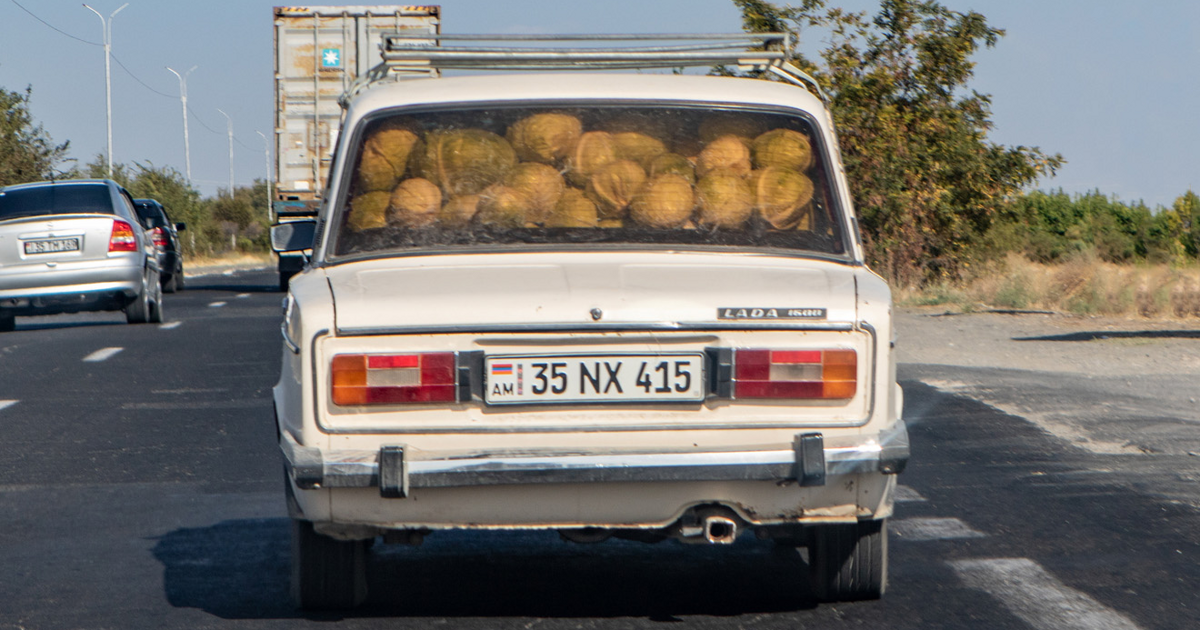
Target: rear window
<point>151,216</point>
<point>595,176</point>
<point>57,199</point>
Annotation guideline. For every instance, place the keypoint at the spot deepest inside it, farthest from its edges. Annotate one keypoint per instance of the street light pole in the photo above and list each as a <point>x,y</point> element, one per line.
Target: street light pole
<point>229,126</point>
<point>187,150</point>
<point>107,26</point>
<point>267,163</point>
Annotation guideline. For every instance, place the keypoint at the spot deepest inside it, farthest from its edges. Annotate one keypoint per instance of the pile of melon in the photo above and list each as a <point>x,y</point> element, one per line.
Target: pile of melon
<point>548,172</point>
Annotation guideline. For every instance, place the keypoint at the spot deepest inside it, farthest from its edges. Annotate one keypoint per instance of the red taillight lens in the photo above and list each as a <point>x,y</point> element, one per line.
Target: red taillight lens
<point>159,238</point>
<point>385,379</point>
<point>825,374</point>
<point>122,238</point>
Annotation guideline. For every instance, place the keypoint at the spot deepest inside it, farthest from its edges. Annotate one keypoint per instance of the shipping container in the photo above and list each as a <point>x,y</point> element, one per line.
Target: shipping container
<point>319,52</point>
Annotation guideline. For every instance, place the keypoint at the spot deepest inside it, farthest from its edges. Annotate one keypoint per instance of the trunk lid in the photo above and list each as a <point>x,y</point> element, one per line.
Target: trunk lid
<point>601,290</point>
<point>54,239</point>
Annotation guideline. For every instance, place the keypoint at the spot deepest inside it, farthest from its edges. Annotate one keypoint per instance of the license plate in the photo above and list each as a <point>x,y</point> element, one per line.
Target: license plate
<point>51,246</point>
<point>594,378</point>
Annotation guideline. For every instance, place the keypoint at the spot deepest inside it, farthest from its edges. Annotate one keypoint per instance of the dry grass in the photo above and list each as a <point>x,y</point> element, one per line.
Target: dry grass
<point>1083,285</point>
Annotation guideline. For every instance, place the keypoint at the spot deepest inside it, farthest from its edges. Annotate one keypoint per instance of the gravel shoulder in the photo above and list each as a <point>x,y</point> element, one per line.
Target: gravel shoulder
<point>1097,347</point>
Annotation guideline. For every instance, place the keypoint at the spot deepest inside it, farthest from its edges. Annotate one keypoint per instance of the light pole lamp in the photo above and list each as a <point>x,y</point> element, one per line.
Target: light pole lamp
<point>107,26</point>
<point>187,149</point>
<point>267,164</point>
<point>229,126</point>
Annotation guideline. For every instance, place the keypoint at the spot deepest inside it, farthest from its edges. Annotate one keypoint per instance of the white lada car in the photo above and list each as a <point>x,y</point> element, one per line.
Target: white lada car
<point>611,305</point>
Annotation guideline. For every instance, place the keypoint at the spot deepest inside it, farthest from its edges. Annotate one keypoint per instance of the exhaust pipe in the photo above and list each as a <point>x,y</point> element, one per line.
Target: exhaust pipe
<point>720,530</point>
<point>712,524</point>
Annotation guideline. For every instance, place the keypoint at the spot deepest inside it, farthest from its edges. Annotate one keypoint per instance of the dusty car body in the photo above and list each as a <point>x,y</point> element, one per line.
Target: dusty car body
<point>693,351</point>
<point>74,245</point>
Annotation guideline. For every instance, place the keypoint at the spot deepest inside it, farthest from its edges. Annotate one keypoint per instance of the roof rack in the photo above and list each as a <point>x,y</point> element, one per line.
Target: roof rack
<point>426,54</point>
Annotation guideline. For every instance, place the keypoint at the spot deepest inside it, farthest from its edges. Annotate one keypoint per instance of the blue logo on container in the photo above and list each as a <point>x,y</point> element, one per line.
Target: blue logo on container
<point>331,58</point>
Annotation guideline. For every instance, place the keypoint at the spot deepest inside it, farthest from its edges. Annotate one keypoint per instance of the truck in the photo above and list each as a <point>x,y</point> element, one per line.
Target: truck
<point>571,288</point>
<point>319,52</point>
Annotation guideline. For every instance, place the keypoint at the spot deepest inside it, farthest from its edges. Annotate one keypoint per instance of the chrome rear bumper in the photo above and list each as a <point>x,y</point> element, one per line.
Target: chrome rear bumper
<point>395,470</point>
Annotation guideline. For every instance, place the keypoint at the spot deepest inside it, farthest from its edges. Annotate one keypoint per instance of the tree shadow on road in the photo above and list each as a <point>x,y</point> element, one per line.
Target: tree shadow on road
<point>60,325</point>
<point>239,570</point>
<point>1116,334</point>
<point>218,283</point>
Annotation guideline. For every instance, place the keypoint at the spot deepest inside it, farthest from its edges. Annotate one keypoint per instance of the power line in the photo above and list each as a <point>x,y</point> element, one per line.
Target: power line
<point>114,57</point>
<point>135,78</point>
<point>199,120</point>
<point>196,117</point>
<point>132,75</point>
<point>53,26</point>
<point>218,133</point>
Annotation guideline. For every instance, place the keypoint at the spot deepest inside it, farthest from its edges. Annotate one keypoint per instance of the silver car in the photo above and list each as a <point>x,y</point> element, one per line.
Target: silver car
<point>75,245</point>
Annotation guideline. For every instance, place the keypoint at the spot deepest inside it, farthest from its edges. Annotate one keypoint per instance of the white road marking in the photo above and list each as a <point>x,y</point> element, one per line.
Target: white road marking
<point>904,494</point>
<point>217,304</point>
<point>170,325</point>
<point>242,296</point>
<point>102,354</point>
<point>919,529</point>
<point>5,404</point>
<point>1040,600</point>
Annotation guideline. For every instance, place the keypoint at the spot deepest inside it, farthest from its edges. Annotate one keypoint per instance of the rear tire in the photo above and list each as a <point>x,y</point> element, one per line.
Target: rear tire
<point>327,574</point>
<point>849,562</point>
<point>172,284</point>
<point>138,311</point>
<point>156,305</point>
<point>8,322</point>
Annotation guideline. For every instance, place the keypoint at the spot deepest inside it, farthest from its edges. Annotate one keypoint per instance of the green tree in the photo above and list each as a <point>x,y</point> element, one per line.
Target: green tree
<point>926,182</point>
<point>205,233</point>
<point>1187,211</point>
<point>26,151</point>
<point>235,209</point>
<point>98,169</point>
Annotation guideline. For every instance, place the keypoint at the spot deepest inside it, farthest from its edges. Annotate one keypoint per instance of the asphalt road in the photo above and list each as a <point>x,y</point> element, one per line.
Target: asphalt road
<point>141,488</point>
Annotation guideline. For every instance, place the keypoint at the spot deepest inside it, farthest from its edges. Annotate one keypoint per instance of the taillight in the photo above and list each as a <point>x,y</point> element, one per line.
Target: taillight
<point>382,379</point>
<point>122,238</point>
<point>159,238</point>
<point>795,374</point>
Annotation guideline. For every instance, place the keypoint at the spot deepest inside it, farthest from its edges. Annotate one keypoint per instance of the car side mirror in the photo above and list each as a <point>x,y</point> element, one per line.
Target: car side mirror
<point>181,226</point>
<point>293,236</point>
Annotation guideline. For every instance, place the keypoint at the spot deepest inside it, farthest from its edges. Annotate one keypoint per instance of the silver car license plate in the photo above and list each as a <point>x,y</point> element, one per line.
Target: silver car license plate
<point>594,378</point>
<point>52,245</point>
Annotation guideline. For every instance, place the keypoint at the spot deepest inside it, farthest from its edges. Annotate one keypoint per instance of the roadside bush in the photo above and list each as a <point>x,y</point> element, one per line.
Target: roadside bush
<point>1053,226</point>
<point>218,225</point>
<point>1082,284</point>
<point>27,154</point>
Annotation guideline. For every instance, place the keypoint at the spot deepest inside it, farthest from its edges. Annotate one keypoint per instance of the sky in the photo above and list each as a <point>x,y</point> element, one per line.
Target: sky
<point>1111,85</point>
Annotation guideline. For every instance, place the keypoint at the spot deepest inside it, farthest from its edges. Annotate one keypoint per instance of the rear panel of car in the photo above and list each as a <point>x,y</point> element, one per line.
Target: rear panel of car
<point>55,239</point>
<point>601,382</point>
<point>472,428</point>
